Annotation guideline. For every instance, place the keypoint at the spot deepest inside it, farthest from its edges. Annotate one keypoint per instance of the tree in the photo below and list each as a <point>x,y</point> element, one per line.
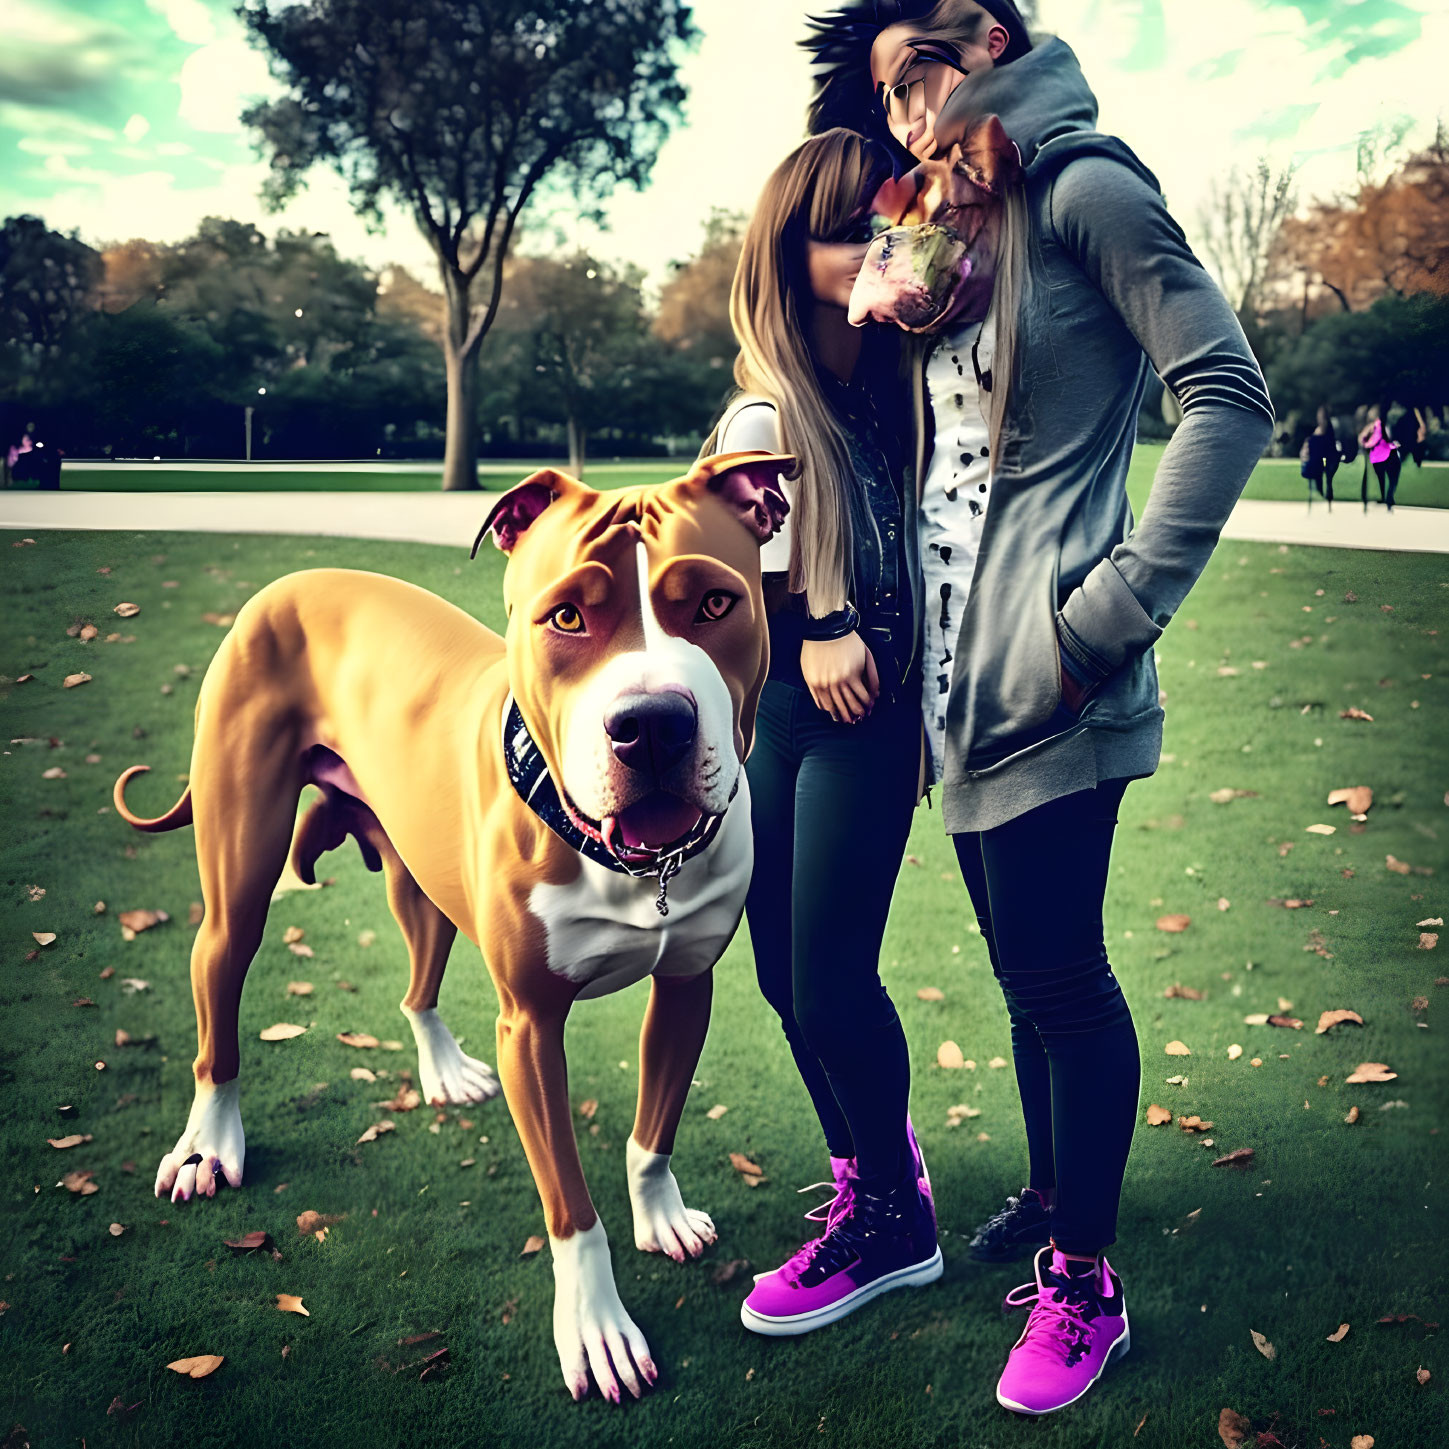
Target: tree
<point>460,110</point>
<point>694,310</point>
<point>1393,236</point>
<point>1239,223</point>
<point>47,281</point>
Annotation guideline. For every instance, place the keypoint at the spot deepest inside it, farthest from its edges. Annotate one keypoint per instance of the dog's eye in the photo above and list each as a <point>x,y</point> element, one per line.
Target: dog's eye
<point>715,605</point>
<point>567,619</point>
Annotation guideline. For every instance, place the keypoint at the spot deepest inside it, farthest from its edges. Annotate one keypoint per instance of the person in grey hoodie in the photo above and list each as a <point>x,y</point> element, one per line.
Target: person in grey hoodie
<point>1045,661</point>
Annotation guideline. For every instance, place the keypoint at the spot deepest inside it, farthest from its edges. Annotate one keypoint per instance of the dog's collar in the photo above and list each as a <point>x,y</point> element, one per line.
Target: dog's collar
<point>529,776</point>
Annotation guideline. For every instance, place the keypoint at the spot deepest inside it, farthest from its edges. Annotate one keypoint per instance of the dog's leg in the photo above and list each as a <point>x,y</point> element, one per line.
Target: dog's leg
<point>445,1072</point>
<point>244,821</point>
<point>669,1047</point>
<point>592,1330</point>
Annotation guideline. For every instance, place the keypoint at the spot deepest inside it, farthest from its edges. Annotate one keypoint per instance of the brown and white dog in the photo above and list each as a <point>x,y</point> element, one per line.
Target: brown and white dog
<point>570,797</point>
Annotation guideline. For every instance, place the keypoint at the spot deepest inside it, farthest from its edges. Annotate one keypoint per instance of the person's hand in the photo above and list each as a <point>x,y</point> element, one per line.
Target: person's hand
<point>841,676</point>
<point>1074,691</point>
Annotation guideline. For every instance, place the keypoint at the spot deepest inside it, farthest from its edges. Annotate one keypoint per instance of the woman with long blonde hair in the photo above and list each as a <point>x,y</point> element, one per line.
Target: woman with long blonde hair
<point>833,773</point>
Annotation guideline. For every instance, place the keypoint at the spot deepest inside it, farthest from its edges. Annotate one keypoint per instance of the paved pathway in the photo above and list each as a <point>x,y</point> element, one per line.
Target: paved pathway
<point>455,518</point>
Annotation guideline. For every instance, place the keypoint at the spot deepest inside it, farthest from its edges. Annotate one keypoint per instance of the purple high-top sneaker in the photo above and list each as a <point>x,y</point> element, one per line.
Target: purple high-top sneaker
<point>918,1158</point>
<point>1078,1325</point>
<point>843,1178</point>
<point>886,1240</point>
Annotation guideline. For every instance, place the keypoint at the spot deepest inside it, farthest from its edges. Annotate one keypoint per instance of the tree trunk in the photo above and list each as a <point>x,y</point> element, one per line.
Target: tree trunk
<point>578,448</point>
<point>460,448</point>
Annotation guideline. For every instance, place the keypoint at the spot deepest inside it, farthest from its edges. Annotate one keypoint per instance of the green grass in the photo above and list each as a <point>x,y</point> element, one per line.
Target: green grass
<point>1274,478</point>
<point>1331,1224</point>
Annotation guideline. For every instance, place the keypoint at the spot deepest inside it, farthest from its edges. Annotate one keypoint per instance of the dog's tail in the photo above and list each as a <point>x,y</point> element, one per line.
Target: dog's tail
<point>177,816</point>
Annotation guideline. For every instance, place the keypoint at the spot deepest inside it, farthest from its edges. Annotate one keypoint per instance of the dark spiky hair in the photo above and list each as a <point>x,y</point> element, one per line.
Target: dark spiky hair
<point>839,45</point>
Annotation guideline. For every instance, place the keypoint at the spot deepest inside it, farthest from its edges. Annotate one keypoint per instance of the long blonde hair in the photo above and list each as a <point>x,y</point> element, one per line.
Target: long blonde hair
<point>814,193</point>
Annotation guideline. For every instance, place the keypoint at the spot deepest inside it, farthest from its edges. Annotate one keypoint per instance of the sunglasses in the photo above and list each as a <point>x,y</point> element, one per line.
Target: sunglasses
<point>905,102</point>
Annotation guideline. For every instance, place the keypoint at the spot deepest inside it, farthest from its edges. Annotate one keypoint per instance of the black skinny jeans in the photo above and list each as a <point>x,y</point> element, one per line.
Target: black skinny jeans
<point>831,805</point>
<point>1037,885</point>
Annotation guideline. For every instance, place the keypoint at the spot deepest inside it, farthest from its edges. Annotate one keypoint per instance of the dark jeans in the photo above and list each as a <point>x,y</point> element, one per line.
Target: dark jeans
<point>1321,478</point>
<point>832,806</point>
<point>1037,885</point>
<point>1387,473</point>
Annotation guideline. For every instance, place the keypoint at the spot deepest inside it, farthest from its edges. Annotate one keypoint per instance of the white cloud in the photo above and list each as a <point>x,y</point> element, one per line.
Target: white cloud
<point>135,128</point>
<point>189,19</point>
<point>218,80</point>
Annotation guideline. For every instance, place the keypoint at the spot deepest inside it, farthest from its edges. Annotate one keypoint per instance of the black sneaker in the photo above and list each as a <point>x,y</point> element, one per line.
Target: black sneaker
<point>1020,1228</point>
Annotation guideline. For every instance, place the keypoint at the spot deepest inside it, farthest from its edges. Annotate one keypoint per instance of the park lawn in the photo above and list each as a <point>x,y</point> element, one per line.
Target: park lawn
<point>1274,478</point>
<point>1331,1223</point>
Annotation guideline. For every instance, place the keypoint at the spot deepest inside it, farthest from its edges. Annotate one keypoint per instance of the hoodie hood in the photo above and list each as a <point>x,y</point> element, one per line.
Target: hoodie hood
<point>1046,106</point>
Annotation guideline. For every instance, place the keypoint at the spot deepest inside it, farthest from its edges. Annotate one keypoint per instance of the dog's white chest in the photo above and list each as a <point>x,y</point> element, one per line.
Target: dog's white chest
<point>604,930</point>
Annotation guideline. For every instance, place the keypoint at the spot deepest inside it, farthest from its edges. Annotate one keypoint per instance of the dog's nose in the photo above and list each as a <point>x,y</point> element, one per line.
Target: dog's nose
<point>652,732</point>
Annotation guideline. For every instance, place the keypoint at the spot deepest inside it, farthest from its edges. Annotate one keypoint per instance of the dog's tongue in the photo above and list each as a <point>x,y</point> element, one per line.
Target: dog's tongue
<point>657,820</point>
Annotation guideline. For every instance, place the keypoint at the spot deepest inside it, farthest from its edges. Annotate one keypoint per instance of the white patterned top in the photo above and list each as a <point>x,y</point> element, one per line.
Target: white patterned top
<point>953,509</point>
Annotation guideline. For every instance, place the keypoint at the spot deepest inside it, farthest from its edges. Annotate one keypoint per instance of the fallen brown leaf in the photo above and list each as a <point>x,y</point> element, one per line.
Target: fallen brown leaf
<point>310,1221</point>
<point>742,1164</point>
<point>71,680</point>
<point>1239,1158</point>
<point>282,1031</point>
<point>127,611</point>
<point>406,1099</point>
<point>1320,830</point>
<point>1399,867</point>
<point>1173,924</point>
<point>199,1367</point>
<point>587,1108</point>
<point>1194,1124</point>
<point>248,1242</point>
<point>1361,1441</point>
<point>376,1130</point>
<point>931,993</point>
<point>1371,1072</point>
<point>1233,1428</point>
<point>1234,1052</point>
<point>356,1039</point>
<point>43,938</point>
<point>1330,1019</point>
<point>1358,798</point>
<point>532,1244</point>
<point>1428,940</point>
<point>1353,1115</point>
<point>1354,712</point>
<point>1291,1022</point>
<point>290,1303</point>
<point>949,1055</point>
<point>1339,1334</point>
<point>362,1074</point>
<point>1225,796</point>
<point>1423,1375</point>
<point>716,1112</point>
<point>74,1140</point>
<point>1158,1116</point>
<point>299,988</point>
<point>300,948</point>
<point>1185,993</point>
<point>1178,1049</point>
<point>1262,1344</point>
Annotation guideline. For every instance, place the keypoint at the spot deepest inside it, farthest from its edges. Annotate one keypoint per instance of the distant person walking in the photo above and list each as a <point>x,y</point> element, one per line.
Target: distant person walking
<point>1383,453</point>
<point>1321,456</point>
<point>1410,430</point>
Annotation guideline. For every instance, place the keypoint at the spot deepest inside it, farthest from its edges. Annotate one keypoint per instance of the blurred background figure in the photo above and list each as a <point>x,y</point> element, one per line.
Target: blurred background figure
<point>1380,450</point>
<point>1321,456</point>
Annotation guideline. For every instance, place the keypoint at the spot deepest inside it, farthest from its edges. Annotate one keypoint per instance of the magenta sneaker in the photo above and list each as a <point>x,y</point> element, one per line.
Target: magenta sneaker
<point>885,1241</point>
<point>843,1178</point>
<point>918,1158</point>
<point>1078,1325</point>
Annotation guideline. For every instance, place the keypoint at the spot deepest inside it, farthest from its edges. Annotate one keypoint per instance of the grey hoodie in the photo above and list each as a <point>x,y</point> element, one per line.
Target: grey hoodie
<point>1111,289</point>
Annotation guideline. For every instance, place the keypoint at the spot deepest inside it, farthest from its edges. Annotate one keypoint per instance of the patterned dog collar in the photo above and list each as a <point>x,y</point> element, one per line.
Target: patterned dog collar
<point>529,776</point>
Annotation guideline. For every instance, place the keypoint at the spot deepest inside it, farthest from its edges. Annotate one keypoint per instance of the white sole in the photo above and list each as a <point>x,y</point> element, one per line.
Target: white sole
<point>1113,1354</point>
<point>788,1326</point>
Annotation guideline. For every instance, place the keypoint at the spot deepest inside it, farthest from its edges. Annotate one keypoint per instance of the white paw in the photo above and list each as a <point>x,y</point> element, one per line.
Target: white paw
<point>214,1131</point>
<point>591,1329</point>
<point>662,1223</point>
<point>446,1074</point>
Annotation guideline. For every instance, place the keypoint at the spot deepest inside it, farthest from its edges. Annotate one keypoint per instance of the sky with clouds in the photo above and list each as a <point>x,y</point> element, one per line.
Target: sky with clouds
<point>118,118</point>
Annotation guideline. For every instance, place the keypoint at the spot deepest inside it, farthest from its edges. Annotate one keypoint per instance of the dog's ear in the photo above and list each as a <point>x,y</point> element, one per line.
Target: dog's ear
<point>512,516</point>
<point>749,484</point>
<point>989,158</point>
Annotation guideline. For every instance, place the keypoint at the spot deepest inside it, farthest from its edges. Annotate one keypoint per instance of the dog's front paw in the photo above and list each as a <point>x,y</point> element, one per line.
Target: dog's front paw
<point>446,1074</point>
<point>592,1330</point>
<point>213,1145</point>
<point>662,1223</point>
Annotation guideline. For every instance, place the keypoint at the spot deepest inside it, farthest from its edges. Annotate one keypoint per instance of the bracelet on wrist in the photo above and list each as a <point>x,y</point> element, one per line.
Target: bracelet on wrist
<point>832,626</point>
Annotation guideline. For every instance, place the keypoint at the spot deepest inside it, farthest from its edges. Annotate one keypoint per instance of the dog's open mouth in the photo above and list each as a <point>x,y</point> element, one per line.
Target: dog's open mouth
<point>655,826</point>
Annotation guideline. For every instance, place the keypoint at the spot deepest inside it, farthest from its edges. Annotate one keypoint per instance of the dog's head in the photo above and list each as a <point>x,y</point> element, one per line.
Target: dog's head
<point>636,640</point>
<point>936,264</point>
